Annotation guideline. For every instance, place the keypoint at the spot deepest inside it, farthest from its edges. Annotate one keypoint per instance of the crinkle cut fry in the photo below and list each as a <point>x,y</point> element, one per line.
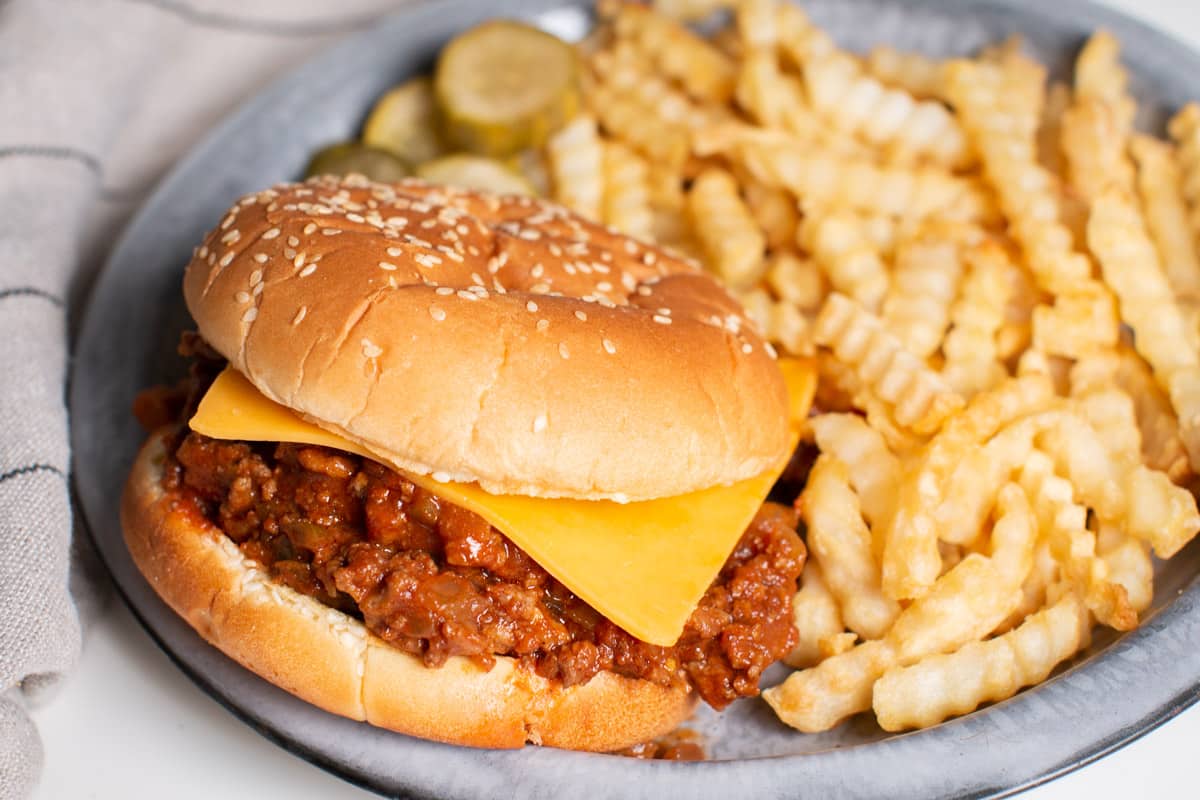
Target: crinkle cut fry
<point>911,561</point>
<point>1130,265</point>
<point>841,540</point>
<point>963,606</point>
<point>972,362</point>
<point>948,685</point>
<point>918,397</point>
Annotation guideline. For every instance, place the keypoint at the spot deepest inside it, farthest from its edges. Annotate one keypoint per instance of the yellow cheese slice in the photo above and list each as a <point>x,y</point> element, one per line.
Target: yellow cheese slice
<point>643,565</point>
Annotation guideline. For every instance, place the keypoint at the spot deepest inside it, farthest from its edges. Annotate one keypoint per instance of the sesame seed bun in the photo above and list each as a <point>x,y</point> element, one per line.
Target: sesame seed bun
<point>330,659</point>
<point>499,340</point>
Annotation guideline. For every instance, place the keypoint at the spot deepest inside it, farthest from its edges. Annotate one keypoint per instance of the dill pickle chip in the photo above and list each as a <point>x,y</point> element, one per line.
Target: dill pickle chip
<point>404,122</point>
<point>474,172</point>
<point>503,87</point>
<point>344,158</point>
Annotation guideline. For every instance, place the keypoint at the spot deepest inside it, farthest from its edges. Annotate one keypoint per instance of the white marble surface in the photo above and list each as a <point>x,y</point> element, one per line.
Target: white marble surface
<point>131,725</point>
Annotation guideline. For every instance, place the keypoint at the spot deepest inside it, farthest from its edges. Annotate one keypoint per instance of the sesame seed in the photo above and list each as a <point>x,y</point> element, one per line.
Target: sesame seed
<point>444,290</point>
<point>437,313</point>
<point>293,241</point>
<point>356,218</point>
<point>645,291</point>
<point>225,223</point>
<point>609,347</point>
<point>531,307</point>
<point>397,222</point>
<point>309,270</point>
<point>310,228</point>
<point>604,286</point>
<point>649,258</point>
<point>289,253</point>
<point>630,247</point>
<point>408,237</point>
<point>300,315</point>
<point>242,297</point>
<point>330,231</point>
<point>226,259</point>
<point>390,267</point>
<point>462,229</point>
<point>661,320</point>
<point>473,250</point>
<point>271,234</point>
<point>231,237</point>
<point>298,261</point>
<point>260,258</point>
<point>250,315</point>
<point>665,312</point>
<point>543,325</point>
<point>555,250</point>
<point>747,348</point>
<point>770,350</point>
<point>465,295</point>
<point>539,423</point>
<point>395,252</point>
<point>562,350</point>
<point>202,252</point>
<point>258,289</point>
<point>477,279</point>
<point>370,349</point>
<point>429,223</point>
<point>441,477</point>
<point>540,288</point>
<point>568,268</point>
<point>538,270</point>
<point>579,315</point>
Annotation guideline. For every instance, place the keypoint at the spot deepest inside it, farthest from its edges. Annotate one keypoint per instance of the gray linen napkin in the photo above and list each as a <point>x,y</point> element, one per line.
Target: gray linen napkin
<point>97,99</point>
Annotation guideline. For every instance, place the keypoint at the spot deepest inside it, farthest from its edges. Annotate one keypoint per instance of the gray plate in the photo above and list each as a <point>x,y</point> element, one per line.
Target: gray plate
<point>1122,689</point>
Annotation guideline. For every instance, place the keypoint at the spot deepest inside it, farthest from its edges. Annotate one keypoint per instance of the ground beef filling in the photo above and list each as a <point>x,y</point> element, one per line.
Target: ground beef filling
<point>436,580</point>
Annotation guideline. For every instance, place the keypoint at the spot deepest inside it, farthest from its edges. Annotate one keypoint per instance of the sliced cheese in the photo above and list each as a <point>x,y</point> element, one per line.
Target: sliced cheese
<point>643,565</point>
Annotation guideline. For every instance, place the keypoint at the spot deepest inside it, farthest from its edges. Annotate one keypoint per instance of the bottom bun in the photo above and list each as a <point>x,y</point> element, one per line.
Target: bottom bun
<point>330,660</point>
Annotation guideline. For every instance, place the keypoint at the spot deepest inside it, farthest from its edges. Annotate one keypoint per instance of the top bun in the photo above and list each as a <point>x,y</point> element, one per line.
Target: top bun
<point>501,340</point>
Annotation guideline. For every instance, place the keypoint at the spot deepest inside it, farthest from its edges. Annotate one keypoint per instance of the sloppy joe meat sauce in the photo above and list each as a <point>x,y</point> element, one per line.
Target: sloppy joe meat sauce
<point>436,580</point>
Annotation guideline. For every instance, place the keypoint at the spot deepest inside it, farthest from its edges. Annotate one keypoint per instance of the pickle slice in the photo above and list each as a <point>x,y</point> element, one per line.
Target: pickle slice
<point>344,158</point>
<point>474,172</point>
<point>504,86</point>
<point>404,122</point>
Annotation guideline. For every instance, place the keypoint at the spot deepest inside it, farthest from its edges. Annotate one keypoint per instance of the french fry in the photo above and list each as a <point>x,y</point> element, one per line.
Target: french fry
<point>904,128</point>
<point>576,158</point>
<point>1100,76</point>
<point>1082,320</point>
<point>626,191</point>
<point>799,40</point>
<point>775,212</point>
<point>1184,129</point>
<point>782,324</point>
<point>1129,564</point>
<point>1130,265</point>
<point>964,605</point>
<point>972,358</point>
<point>840,246</point>
<point>942,686</point>
<point>874,470</point>
<point>911,561</point>
<point>688,10</point>
<point>1162,447</point>
<point>1049,135</point>
<point>815,615</point>
<point>1073,545</point>
<point>917,397</point>
<point>756,24</point>
<point>915,73</point>
<point>732,241</point>
<point>1094,143</point>
<point>822,178</point>
<point>703,70</point>
<point>1159,184</point>
<point>640,127</point>
<point>925,282</point>
<point>796,280</point>
<point>999,107</point>
<point>842,542</point>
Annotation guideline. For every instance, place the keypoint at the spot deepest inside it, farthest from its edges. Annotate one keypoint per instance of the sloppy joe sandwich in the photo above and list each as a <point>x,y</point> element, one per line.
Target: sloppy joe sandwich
<point>472,468</point>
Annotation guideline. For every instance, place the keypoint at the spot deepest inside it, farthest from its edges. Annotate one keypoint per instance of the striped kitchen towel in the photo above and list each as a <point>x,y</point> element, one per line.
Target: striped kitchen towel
<point>97,99</point>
